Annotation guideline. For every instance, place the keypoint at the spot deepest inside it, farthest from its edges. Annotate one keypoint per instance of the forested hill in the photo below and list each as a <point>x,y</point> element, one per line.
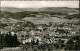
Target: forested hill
<point>19,13</point>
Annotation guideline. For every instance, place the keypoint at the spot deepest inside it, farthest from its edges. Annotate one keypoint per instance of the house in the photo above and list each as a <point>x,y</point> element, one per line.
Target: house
<point>73,33</point>
<point>67,28</point>
<point>29,40</point>
<point>40,28</point>
<point>4,20</point>
<point>21,35</point>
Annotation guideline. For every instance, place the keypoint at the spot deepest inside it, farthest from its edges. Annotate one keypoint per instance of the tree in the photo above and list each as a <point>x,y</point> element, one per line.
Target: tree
<point>15,40</point>
<point>73,43</point>
<point>33,42</point>
<point>2,41</point>
<point>7,40</point>
<point>37,42</point>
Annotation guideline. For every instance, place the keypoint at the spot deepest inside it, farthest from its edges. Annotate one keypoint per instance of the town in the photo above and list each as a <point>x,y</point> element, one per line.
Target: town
<point>41,29</point>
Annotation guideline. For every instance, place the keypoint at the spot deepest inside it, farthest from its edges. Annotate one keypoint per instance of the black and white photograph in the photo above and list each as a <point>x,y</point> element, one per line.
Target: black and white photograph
<point>39,26</point>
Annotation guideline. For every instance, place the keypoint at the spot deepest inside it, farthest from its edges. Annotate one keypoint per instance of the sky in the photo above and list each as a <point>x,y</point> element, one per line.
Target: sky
<point>39,4</point>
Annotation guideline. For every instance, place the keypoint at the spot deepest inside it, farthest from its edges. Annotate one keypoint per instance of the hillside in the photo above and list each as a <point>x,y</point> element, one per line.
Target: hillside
<point>20,13</point>
<point>50,9</point>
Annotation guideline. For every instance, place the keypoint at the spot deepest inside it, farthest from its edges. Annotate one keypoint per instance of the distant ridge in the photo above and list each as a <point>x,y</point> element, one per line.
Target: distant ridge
<point>55,9</point>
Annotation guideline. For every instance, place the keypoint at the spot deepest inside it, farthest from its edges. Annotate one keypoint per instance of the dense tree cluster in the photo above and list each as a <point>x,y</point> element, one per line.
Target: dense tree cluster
<point>29,24</point>
<point>73,43</point>
<point>8,40</point>
<point>72,16</point>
